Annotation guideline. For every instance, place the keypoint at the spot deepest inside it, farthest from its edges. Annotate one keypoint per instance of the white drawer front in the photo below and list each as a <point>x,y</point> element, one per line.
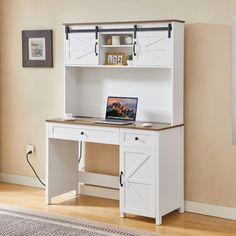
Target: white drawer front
<point>137,138</point>
<point>84,133</point>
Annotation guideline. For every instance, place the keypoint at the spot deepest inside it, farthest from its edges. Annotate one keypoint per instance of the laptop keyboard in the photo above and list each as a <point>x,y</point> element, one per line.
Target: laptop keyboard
<point>116,122</point>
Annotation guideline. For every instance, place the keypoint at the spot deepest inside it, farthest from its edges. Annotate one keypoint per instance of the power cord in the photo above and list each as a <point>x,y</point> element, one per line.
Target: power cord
<point>80,152</point>
<point>27,158</point>
<point>30,152</point>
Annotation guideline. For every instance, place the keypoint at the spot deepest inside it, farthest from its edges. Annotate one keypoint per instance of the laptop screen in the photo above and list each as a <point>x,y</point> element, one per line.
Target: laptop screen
<point>121,108</point>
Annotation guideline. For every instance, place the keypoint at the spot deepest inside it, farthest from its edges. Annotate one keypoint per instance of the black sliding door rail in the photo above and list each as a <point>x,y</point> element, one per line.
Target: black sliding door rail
<point>135,29</point>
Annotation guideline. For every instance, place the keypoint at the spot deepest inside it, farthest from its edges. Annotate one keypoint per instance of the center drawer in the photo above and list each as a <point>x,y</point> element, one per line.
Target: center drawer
<point>137,138</point>
<point>84,133</point>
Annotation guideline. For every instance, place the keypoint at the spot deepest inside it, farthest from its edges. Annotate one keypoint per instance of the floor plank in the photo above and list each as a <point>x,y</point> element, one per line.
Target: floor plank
<point>105,210</point>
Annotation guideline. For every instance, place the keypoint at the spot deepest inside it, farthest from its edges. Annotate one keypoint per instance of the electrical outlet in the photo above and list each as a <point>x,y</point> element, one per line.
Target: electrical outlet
<point>29,148</point>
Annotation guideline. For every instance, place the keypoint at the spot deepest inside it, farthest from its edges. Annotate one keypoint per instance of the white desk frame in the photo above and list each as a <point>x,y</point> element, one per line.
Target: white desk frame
<point>160,182</point>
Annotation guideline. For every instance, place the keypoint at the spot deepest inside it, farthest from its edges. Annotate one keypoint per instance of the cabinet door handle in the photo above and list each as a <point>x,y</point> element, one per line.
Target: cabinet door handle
<point>96,53</point>
<point>136,138</point>
<point>82,133</point>
<point>121,184</point>
<point>134,49</point>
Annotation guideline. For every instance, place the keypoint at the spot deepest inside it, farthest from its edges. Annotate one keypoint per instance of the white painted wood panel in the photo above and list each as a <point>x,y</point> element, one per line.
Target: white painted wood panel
<point>169,169</point>
<point>177,116</point>
<point>80,49</point>
<point>96,179</point>
<point>61,167</point>
<point>137,196</point>
<point>234,79</point>
<point>90,88</point>
<point>153,48</point>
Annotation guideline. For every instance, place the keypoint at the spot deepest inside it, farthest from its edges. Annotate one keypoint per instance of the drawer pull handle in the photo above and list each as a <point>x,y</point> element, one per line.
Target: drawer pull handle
<point>96,53</point>
<point>82,133</point>
<point>134,49</point>
<point>136,138</point>
<point>121,184</point>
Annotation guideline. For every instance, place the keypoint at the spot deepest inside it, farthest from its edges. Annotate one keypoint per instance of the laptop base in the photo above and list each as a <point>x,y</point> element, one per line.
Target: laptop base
<point>114,122</point>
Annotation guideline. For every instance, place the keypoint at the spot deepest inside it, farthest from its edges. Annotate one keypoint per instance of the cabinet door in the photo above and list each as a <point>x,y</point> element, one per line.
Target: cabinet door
<point>81,49</point>
<point>153,49</point>
<point>137,169</point>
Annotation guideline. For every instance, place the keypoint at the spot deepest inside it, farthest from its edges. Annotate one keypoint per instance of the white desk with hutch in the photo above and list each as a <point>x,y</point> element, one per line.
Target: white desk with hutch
<point>151,181</point>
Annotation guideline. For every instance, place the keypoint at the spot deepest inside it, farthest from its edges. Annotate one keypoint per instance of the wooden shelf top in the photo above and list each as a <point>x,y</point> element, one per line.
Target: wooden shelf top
<point>156,126</point>
<point>124,22</point>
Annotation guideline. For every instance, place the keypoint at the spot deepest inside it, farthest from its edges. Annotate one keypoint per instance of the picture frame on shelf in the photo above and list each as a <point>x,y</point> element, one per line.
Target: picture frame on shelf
<point>122,58</point>
<point>115,58</point>
<point>109,58</point>
<point>37,49</point>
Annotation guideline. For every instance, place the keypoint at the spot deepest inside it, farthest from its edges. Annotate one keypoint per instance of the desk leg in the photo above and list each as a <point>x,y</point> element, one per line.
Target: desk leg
<point>158,220</point>
<point>61,167</point>
<point>181,209</point>
<point>122,214</point>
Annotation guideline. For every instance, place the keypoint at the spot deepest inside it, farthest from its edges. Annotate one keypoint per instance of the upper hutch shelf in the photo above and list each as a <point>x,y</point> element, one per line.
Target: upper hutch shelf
<point>147,43</point>
<point>141,59</point>
<point>124,22</point>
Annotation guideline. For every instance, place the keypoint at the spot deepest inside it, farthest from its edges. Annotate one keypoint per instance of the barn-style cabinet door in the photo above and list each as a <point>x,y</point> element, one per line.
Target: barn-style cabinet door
<point>153,49</point>
<point>137,181</point>
<point>82,49</point>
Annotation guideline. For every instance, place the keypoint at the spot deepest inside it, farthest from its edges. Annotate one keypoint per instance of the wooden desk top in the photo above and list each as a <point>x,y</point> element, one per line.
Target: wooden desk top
<point>124,22</point>
<point>156,126</point>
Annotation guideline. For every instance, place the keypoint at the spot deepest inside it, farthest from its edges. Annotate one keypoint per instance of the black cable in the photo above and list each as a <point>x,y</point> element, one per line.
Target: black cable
<point>80,151</point>
<point>30,152</point>
<point>27,158</point>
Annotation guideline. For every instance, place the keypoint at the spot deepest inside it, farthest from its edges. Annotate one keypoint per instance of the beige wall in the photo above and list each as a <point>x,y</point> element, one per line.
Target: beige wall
<point>29,96</point>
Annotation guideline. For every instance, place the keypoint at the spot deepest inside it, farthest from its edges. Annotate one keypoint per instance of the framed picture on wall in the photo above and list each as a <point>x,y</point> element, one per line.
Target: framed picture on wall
<point>37,48</point>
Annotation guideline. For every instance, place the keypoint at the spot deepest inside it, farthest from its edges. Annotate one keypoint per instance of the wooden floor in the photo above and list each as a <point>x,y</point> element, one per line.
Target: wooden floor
<point>107,211</point>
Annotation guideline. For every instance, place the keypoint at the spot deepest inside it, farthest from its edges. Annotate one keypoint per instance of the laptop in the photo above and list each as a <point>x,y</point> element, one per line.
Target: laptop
<point>120,111</point>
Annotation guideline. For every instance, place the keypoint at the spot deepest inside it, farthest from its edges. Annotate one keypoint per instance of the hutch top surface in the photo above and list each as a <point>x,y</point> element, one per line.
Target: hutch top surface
<point>125,22</point>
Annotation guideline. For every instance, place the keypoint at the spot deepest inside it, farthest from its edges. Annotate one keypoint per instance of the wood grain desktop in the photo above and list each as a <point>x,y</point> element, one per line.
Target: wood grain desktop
<point>156,126</point>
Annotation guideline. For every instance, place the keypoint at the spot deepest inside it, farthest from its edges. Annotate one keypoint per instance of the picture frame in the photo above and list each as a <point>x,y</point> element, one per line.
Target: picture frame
<point>37,49</point>
<point>109,58</point>
<point>121,58</point>
<point>115,58</point>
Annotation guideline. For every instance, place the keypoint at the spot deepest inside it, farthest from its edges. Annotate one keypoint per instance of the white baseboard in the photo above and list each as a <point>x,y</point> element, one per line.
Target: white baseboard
<point>21,180</point>
<point>190,206</point>
<point>210,210</point>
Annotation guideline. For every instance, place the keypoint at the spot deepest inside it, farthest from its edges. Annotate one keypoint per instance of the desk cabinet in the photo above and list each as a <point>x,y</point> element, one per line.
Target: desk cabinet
<point>151,172</point>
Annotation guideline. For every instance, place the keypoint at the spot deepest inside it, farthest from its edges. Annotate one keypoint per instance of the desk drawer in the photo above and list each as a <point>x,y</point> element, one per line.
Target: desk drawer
<point>84,133</point>
<point>137,138</point>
